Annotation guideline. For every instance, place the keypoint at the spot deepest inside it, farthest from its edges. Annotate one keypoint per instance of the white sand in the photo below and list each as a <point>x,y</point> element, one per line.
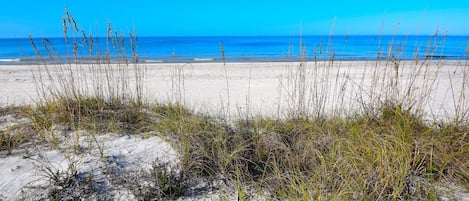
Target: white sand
<point>264,88</point>
<point>128,152</point>
<point>271,88</point>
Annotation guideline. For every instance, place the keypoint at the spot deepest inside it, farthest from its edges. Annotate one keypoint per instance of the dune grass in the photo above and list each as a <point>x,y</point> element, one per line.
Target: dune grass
<point>385,151</point>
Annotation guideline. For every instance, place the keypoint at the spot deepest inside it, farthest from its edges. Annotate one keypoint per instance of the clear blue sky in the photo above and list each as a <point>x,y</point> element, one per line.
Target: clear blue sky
<point>19,18</point>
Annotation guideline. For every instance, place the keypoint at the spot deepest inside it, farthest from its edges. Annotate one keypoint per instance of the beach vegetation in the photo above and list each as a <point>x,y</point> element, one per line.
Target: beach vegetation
<point>386,150</point>
<point>16,128</point>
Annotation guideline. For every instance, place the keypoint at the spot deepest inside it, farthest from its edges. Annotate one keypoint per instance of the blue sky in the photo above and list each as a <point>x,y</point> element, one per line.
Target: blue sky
<point>20,18</point>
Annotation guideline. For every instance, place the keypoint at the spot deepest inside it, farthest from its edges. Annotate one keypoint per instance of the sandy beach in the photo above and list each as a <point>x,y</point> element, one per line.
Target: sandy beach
<point>228,90</point>
<point>270,88</point>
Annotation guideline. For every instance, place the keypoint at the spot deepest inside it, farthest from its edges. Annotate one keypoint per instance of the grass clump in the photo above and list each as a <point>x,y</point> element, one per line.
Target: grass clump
<point>90,113</point>
<point>393,155</point>
<point>201,139</point>
<point>89,89</point>
<point>15,128</point>
<point>157,183</point>
<point>66,184</point>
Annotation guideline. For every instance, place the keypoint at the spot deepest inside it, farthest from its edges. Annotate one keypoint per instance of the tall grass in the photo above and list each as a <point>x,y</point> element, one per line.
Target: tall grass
<point>88,88</point>
<point>317,150</point>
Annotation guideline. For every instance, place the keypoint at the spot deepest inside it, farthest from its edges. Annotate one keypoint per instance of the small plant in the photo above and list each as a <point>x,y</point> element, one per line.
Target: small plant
<point>15,129</point>
<point>160,182</point>
<point>68,184</point>
<point>7,142</point>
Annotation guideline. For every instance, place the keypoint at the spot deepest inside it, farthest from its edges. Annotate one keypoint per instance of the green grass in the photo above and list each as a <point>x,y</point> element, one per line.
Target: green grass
<point>20,131</point>
<point>385,152</point>
<point>394,155</point>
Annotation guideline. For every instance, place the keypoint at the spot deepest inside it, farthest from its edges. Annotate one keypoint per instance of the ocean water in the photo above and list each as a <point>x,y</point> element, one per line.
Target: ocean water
<point>238,49</point>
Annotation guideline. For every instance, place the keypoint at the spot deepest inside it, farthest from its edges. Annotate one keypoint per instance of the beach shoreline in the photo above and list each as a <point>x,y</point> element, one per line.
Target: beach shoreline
<point>236,48</point>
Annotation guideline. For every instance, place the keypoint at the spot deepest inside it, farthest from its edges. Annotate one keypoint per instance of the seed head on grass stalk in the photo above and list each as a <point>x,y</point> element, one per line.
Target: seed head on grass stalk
<point>228,109</point>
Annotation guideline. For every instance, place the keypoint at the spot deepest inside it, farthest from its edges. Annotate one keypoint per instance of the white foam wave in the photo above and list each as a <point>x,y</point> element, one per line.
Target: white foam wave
<point>153,61</point>
<point>10,60</point>
<point>203,59</point>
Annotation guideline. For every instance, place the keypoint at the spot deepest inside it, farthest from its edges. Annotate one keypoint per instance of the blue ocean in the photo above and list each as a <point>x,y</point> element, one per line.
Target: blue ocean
<point>240,49</point>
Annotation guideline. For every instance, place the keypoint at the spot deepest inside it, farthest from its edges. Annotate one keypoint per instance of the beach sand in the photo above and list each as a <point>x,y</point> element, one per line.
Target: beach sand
<point>274,88</point>
<point>236,89</point>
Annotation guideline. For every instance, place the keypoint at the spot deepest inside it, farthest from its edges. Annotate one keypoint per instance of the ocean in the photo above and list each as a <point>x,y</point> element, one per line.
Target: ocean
<point>239,49</point>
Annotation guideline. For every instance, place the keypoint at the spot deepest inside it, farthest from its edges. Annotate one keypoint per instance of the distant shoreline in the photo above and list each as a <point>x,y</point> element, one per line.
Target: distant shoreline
<point>29,61</point>
<point>235,49</point>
